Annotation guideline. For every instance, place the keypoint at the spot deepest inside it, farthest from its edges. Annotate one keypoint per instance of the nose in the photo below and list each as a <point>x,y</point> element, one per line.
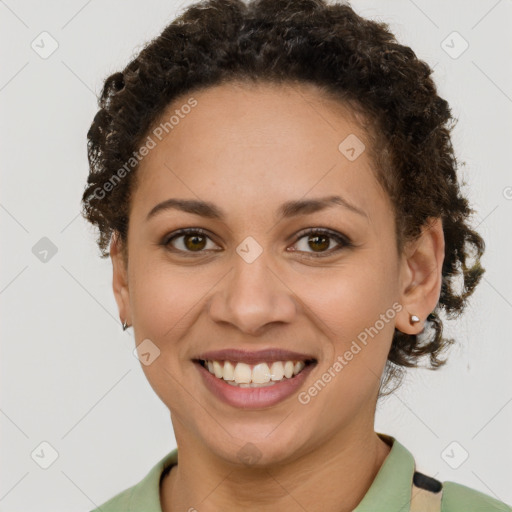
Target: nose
<point>252,296</point>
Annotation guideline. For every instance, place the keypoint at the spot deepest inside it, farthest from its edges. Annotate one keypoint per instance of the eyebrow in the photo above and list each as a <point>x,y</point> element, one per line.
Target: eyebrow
<point>286,210</point>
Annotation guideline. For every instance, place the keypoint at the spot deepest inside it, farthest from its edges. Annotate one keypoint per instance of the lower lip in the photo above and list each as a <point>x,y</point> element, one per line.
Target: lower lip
<point>253,398</point>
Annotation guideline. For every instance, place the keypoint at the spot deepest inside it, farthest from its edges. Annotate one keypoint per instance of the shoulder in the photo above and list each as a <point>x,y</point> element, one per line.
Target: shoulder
<point>121,502</point>
<point>426,493</point>
<point>454,497</point>
<point>145,495</point>
<point>459,498</point>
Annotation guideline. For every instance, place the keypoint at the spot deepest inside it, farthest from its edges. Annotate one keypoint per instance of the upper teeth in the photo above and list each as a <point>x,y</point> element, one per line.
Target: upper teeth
<point>242,373</point>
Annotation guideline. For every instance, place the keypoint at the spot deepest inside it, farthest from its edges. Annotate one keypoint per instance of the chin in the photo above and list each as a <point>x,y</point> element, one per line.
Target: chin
<point>260,450</point>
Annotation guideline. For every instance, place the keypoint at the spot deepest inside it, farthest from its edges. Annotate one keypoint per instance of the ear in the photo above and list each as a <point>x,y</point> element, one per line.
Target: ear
<point>120,278</point>
<point>421,276</point>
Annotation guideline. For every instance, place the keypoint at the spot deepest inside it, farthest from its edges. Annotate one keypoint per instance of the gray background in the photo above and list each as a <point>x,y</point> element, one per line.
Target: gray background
<point>68,374</point>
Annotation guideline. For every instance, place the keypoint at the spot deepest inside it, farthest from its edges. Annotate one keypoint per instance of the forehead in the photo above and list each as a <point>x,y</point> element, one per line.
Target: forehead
<point>257,142</point>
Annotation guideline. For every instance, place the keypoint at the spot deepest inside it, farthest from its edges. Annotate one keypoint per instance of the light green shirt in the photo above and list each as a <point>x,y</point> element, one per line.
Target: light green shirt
<point>390,491</point>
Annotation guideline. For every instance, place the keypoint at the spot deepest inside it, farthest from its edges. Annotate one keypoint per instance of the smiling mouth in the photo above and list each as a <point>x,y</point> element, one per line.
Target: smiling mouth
<point>262,374</point>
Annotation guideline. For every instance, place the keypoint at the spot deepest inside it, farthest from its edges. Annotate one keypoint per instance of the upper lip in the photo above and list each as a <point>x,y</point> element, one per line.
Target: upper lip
<point>253,356</point>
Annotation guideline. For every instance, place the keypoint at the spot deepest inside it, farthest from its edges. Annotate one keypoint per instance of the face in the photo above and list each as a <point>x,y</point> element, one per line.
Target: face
<point>253,279</point>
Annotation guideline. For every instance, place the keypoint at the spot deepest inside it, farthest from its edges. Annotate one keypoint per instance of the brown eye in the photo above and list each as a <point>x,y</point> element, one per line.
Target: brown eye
<point>319,241</point>
<point>193,242</point>
<point>187,240</point>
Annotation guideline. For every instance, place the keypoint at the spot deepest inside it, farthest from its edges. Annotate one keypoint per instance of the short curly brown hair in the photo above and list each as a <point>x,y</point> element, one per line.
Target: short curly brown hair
<point>355,60</point>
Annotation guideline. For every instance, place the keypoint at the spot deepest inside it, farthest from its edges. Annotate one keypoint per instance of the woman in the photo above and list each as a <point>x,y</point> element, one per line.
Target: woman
<point>276,187</point>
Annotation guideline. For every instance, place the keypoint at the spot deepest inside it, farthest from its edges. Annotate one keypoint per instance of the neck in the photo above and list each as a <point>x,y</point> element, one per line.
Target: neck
<point>334,478</point>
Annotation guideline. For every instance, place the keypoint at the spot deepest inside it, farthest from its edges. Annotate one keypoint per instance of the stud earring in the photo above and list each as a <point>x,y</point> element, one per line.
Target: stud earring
<point>125,326</point>
<point>414,319</point>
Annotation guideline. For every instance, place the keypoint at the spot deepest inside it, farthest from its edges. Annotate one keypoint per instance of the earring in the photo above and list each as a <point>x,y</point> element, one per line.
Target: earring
<point>125,326</point>
<point>414,319</point>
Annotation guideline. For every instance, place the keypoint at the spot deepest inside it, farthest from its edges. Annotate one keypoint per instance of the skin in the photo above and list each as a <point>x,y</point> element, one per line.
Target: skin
<point>249,149</point>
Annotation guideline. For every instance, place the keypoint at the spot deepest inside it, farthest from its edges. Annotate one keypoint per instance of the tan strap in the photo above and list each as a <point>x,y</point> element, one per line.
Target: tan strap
<point>425,501</point>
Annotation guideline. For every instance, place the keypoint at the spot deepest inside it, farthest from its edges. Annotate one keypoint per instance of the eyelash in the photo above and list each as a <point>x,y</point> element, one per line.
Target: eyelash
<point>341,239</point>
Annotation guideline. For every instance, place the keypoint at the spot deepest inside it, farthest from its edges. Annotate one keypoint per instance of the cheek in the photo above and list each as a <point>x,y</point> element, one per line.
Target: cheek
<point>162,301</point>
<point>358,319</point>
<point>353,306</point>
<point>351,297</point>
<point>162,305</point>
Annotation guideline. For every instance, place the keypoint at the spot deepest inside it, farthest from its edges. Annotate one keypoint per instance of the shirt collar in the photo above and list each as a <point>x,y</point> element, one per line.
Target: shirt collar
<point>392,487</point>
<point>146,494</point>
<point>390,490</point>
